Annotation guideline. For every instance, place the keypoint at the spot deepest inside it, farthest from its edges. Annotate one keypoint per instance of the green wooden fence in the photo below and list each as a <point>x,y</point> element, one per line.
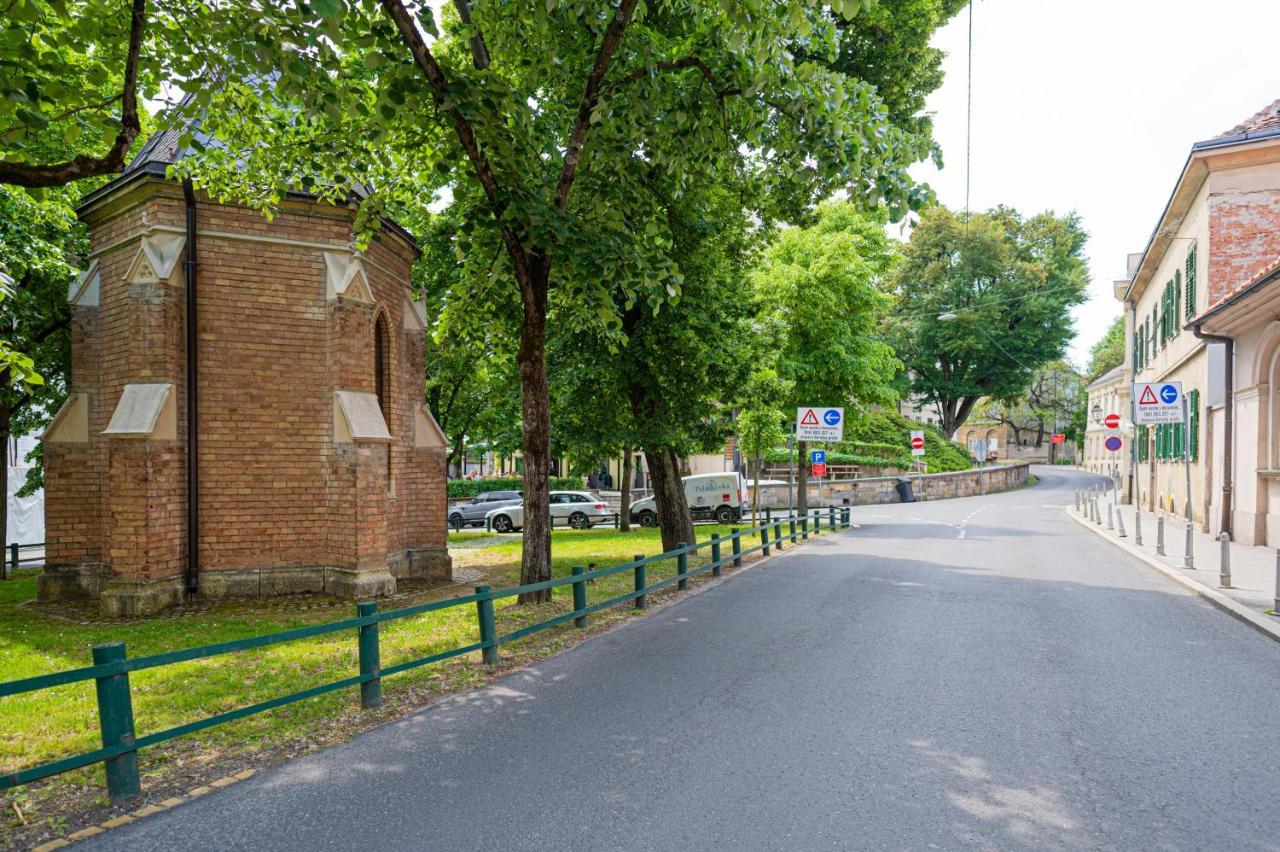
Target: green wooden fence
<point>111,665</point>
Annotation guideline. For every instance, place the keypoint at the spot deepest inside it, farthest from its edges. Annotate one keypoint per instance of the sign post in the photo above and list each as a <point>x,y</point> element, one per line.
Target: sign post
<point>1164,402</point>
<point>819,424</point>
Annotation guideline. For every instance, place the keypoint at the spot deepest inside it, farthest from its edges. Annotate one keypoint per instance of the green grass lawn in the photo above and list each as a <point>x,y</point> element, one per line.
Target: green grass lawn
<point>54,723</point>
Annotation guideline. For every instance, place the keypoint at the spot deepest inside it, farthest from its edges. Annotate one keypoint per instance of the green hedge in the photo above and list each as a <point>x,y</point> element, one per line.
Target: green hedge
<point>882,439</point>
<point>459,489</point>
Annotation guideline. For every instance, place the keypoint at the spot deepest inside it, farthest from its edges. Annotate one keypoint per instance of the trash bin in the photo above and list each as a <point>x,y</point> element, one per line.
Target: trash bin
<point>904,490</point>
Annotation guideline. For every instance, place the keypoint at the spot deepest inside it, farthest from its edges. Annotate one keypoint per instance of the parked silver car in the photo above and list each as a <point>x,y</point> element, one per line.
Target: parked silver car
<point>471,513</point>
<point>579,509</point>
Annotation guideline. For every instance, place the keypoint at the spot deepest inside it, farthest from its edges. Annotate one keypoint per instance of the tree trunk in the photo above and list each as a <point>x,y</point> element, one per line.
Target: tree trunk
<point>755,497</point>
<point>535,408</point>
<point>4,488</point>
<point>624,502</point>
<point>802,478</point>
<point>674,520</point>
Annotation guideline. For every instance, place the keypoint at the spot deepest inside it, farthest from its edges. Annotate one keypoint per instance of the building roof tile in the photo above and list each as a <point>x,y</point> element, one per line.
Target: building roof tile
<point>1267,118</point>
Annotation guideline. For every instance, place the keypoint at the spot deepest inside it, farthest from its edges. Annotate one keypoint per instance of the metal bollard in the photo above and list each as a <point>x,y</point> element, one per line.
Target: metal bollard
<point>579,596</point>
<point>682,569</point>
<point>804,527</point>
<point>488,633</point>
<point>791,526</point>
<point>1137,523</point>
<point>641,598</point>
<point>764,540</point>
<point>370,657</point>
<point>1160,534</point>
<point>831,517</point>
<point>1276,603</point>
<point>115,720</point>
<point>1189,559</point>
<point>715,555</point>
<point>1111,524</point>
<point>737,547</point>
<point>1119,523</point>
<point>1224,560</point>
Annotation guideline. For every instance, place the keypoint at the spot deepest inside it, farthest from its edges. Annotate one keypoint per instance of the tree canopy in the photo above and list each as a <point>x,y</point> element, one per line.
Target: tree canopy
<point>1108,352</point>
<point>984,301</point>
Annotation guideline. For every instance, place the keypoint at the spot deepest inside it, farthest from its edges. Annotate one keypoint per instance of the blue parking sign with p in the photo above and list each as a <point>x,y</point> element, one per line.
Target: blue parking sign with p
<point>818,456</point>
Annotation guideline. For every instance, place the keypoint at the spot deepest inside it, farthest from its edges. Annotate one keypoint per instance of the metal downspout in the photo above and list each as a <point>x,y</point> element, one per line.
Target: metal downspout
<point>193,401</point>
<point>1228,420</point>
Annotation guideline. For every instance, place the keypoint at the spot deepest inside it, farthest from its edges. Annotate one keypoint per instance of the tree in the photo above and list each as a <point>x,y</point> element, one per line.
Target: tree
<point>36,240</point>
<point>548,137</point>
<point>67,66</point>
<point>1108,352</point>
<point>819,310</point>
<point>1050,402</point>
<point>982,302</point>
<point>889,47</point>
<point>662,387</point>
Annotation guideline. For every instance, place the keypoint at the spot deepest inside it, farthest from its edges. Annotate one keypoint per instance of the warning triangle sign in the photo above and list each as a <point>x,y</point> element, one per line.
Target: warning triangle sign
<point>1148,397</point>
<point>809,419</point>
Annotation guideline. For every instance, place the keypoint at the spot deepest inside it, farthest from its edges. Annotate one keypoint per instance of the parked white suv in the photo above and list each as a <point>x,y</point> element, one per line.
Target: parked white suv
<point>579,509</point>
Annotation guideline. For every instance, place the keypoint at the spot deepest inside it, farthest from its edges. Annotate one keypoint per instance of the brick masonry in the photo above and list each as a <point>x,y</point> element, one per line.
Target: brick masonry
<point>284,506</point>
<point>1244,239</point>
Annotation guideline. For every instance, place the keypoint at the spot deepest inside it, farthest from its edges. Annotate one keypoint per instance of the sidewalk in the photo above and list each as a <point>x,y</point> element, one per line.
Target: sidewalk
<point>1252,594</point>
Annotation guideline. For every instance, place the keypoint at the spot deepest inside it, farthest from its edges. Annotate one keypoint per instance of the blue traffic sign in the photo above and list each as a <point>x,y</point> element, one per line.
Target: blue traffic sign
<point>832,417</point>
<point>1168,394</point>
<point>1113,443</point>
<point>818,456</point>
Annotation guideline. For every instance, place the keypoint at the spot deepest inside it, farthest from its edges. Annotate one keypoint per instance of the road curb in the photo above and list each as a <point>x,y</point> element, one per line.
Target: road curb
<point>1263,624</point>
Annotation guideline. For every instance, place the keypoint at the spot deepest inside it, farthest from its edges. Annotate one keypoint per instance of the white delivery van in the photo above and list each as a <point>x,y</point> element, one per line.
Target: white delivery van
<point>722,496</point>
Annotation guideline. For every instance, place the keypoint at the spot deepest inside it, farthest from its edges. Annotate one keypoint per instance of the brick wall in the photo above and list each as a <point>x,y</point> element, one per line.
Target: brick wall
<point>1244,237</point>
<point>276,490</point>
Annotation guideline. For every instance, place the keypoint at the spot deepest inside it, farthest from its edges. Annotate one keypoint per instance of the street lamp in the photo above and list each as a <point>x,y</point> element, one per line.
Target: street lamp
<point>1097,413</point>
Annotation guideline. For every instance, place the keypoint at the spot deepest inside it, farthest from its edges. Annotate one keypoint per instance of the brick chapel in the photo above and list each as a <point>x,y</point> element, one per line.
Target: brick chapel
<point>318,467</point>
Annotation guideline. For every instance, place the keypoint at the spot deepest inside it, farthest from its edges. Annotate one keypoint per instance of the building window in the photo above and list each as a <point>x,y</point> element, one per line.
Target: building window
<point>381,367</point>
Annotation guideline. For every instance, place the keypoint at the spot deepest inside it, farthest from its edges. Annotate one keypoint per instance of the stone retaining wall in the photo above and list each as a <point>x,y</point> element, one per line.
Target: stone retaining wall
<point>930,486</point>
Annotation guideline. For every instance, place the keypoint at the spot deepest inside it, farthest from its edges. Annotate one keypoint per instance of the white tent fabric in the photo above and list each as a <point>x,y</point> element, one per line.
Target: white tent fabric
<point>26,514</point>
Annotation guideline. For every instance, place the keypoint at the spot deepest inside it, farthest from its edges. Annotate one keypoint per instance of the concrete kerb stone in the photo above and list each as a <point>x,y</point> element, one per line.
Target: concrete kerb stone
<point>1262,623</point>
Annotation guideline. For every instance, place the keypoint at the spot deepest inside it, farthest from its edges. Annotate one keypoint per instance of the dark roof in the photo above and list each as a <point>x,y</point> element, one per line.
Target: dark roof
<point>163,149</point>
<point>1267,118</point>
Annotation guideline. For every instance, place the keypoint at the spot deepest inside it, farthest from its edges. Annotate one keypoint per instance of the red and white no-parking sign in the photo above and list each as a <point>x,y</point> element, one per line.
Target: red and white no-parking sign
<point>1112,421</point>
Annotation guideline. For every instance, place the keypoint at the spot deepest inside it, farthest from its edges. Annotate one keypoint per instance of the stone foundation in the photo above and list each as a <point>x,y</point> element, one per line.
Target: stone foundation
<point>136,598</point>
<point>72,582</point>
<point>423,563</point>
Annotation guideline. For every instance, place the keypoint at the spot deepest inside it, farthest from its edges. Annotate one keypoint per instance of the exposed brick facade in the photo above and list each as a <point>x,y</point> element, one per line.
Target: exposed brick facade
<point>286,503</point>
<point>1244,239</point>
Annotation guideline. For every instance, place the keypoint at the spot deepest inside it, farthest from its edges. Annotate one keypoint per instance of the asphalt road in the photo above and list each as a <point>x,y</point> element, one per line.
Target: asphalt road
<point>976,673</point>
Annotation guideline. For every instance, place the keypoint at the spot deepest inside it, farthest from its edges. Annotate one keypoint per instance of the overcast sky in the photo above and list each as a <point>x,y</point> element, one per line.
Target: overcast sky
<point>1093,106</point>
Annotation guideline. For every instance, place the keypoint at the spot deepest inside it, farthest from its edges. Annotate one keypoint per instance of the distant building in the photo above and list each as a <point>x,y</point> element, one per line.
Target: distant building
<point>319,467</point>
<point>1108,394</point>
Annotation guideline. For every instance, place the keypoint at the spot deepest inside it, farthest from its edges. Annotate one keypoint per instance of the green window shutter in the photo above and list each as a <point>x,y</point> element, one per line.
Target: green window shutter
<point>1160,442</point>
<point>1191,283</point>
<point>1155,338</point>
<point>1195,424</point>
<point>1177,302</point>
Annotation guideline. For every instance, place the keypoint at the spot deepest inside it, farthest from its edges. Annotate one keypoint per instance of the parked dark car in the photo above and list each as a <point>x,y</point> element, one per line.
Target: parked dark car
<point>471,513</point>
